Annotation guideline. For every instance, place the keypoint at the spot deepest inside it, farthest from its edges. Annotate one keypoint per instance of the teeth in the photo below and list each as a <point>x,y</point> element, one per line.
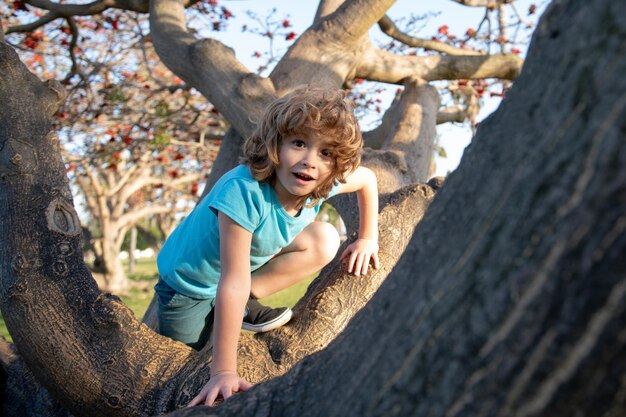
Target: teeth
<point>303,176</point>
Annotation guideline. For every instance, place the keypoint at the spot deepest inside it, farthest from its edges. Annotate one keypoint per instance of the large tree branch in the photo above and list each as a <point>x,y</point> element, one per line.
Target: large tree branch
<point>389,27</point>
<point>353,19</point>
<point>329,50</point>
<point>209,66</point>
<point>384,66</point>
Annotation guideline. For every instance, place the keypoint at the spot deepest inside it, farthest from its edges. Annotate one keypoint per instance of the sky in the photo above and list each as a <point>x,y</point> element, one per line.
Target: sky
<point>452,137</point>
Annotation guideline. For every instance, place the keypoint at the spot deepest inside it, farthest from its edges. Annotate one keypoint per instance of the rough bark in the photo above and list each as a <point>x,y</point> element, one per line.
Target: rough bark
<point>100,350</point>
<point>513,305</point>
<point>507,301</point>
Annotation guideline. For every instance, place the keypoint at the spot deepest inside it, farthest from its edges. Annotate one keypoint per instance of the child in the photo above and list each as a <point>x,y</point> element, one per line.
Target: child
<point>254,233</point>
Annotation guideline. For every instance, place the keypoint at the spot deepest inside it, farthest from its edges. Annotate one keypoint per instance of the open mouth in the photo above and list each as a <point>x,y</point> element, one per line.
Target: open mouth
<point>303,177</point>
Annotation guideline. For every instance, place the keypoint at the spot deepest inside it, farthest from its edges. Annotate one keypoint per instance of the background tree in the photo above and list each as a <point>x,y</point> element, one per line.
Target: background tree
<point>137,141</point>
<point>507,315</point>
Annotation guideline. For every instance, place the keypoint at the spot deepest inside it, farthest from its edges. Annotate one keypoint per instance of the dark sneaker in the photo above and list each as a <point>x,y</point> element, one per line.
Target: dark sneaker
<point>259,318</point>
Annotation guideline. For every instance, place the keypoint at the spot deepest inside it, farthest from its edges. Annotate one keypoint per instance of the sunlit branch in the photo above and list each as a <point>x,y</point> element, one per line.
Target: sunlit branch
<point>451,114</point>
<point>389,27</point>
<point>134,216</point>
<point>384,66</point>
<point>342,24</point>
<point>130,173</point>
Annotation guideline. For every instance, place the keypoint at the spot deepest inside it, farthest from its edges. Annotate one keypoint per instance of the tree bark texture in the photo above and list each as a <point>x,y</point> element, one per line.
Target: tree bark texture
<point>52,305</point>
<point>508,299</point>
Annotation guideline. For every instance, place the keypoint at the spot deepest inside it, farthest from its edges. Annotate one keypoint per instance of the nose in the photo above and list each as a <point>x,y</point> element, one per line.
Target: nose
<point>310,159</point>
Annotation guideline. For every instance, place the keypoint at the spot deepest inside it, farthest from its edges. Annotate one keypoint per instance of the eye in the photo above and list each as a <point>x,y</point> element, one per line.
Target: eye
<point>298,143</point>
<point>327,153</point>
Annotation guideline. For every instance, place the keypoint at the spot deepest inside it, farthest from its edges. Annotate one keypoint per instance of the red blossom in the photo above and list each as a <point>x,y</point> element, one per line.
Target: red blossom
<point>213,3</point>
<point>226,13</point>
<point>256,55</point>
<point>290,36</point>
<point>286,23</point>
<point>178,157</point>
<point>173,173</point>
<point>515,51</point>
<point>470,33</point>
<point>359,80</point>
<point>194,188</point>
<point>112,22</point>
<point>128,140</point>
<point>19,5</point>
<point>443,29</point>
<point>532,9</point>
<point>33,39</point>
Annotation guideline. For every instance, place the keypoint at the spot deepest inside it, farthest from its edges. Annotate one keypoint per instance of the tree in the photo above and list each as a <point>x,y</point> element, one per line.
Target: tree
<point>507,299</point>
<point>137,141</point>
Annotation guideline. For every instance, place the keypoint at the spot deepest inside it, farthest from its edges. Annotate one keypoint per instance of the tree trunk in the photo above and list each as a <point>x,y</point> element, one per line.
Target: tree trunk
<point>132,250</point>
<point>508,299</point>
<point>112,278</point>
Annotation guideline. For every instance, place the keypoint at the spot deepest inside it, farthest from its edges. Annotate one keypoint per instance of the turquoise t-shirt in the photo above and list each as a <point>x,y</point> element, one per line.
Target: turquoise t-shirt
<point>189,261</point>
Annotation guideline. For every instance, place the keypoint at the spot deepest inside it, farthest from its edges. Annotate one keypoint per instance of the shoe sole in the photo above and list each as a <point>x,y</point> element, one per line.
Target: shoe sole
<point>270,325</point>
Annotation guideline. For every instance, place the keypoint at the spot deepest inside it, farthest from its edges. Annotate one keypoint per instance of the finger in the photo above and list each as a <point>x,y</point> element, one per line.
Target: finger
<point>245,385</point>
<point>376,260</point>
<point>197,399</point>
<point>353,257</point>
<point>363,259</point>
<point>345,253</point>
<point>366,264</point>
<point>358,265</point>
<point>227,392</point>
<point>211,397</point>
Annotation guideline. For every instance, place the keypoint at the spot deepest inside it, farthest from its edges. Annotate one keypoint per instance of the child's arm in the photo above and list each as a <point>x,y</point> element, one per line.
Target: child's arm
<point>365,248</point>
<point>232,294</point>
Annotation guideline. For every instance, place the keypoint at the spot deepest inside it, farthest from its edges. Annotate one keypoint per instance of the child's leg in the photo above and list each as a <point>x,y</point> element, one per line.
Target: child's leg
<point>309,252</point>
<point>182,318</point>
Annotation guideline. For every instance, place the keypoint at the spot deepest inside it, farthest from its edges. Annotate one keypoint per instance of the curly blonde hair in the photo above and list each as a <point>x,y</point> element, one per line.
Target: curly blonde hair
<point>310,111</point>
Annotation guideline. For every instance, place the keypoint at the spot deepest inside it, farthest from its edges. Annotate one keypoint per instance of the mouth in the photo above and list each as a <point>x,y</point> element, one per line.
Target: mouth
<point>303,177</point>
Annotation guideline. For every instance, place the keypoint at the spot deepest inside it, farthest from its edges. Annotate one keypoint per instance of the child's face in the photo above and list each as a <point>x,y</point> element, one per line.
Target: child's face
<point>305,163</point>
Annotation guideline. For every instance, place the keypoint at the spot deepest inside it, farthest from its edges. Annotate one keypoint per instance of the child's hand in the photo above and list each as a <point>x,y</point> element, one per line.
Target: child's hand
<point>359,254</point>
<point>224,383</point>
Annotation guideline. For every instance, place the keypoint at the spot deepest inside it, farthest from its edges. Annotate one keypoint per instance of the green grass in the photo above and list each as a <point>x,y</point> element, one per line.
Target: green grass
<point>145,276</point>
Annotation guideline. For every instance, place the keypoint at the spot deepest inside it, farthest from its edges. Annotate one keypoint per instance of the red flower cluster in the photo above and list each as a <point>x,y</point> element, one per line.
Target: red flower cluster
<point>32,40</point>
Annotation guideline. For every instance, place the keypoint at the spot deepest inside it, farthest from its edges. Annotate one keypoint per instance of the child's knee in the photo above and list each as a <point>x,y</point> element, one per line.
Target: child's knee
<point>326,240</point>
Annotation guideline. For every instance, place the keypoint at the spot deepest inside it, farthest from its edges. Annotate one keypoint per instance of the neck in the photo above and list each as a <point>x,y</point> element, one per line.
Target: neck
<point>292,204</point>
